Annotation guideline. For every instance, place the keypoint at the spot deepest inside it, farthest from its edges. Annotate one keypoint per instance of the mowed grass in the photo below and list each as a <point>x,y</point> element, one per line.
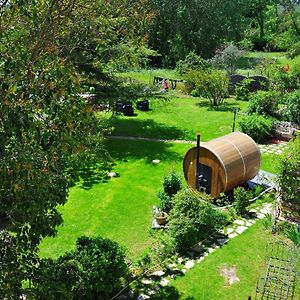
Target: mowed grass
<point>245,252</point>
<point>179,118</point>
<point>120,209</point>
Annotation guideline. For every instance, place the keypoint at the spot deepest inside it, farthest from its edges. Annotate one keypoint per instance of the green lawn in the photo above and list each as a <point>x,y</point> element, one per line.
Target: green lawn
<point>120,209</point>
<point>179,118</point>
<point>246,252</point>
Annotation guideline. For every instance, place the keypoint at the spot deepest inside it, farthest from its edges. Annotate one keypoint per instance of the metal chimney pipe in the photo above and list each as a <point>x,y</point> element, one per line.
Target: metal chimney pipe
<point>198,162</point>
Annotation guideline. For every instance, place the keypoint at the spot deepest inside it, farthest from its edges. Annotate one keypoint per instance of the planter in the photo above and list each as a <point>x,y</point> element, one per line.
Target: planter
<point>161,218</point>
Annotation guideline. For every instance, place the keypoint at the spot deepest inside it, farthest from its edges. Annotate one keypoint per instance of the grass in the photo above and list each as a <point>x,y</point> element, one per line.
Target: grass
<point>179,118</point>
<point>120,209</point>
<point>246,252</point>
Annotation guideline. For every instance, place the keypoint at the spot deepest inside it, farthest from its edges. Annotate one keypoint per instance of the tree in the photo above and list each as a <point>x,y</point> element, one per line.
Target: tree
<point>47,131</point>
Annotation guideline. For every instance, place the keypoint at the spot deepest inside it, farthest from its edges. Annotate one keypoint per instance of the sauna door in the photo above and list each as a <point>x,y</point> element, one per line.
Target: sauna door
<point>204,179</point>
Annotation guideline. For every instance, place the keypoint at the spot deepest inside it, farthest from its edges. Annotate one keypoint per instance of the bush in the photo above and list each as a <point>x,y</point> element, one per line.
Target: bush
<point>291,111</point>
<point>258,127</point>
<point>294,235</point>
<point>241,200</point>
<point>212,84</point>
<point>192,219</point>
<point>289,174</point>
<point>242,91</point>
<point>171,185</point>
<point>92,271</point>
<point>191,62</point>
<point>264,103</point>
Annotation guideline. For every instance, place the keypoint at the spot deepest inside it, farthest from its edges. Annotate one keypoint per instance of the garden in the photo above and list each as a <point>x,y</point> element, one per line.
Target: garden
<point>127,141</point>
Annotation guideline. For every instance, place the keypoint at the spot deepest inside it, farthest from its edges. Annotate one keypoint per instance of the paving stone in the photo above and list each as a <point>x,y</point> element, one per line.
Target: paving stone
<point>200,259</point>
<point>180,260</point>
<point>211,250</point>
<point>158,273</point>
<point>241,229</point>
<point>150,292</point>
<point>183,271</point>
<point>230,230</point>
<point>172,266</point>
<point>232,235</point>
<point>189,264</point>
<point>156,161</point>
<point>260,215</point>
<point>248,223</point>
<point>147,281</point>
<point>164,282</point>
<point>239,222</point>
<point>143,297</point>
<point>222,241</point>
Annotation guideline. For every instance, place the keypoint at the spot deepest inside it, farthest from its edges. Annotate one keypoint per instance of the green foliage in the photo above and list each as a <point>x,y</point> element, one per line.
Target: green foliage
<point>258,127</point>
<point>294,50</point>
<point>291,111</point>
<point>171,185</point>
<point>264,103</point>
<point>91,271</point>
<point>212,84</point>
<point>228,59</point>
<point>241,200</point>
<point>191,62</point>
<point>294,235</point>
<point>242,91</point>
<point>268,222</point>
<point>192,219</point>
<point>288,173</point>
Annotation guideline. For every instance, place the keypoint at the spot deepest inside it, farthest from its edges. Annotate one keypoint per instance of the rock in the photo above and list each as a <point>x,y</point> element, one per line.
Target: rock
<point>147,281</point>
<point>232,235</point>
<point>189,264</point>
<point>156,161</point>
<point>158,273</point>
<point>143,297</point>
<point>239,222</point>
<point>180,260</point>
<point>183,271</point>
<point>200,259</point>
<point>172,266</point>
<point>230,230</point>
<point>112,174</point>
<point>241,229</point>
<point>164,282</point>
<point>211,250</point>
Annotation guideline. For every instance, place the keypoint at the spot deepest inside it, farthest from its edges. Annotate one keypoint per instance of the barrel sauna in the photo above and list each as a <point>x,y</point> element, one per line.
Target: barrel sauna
<point>224,163</point>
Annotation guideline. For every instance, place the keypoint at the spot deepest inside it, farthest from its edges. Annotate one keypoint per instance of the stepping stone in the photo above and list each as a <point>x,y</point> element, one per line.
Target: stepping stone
<point>172,266</point>
<point>222,241</point>
<point>147,281</point>
<point>189,264</point>
<point>183,271</point>
<point>143,297</point>
<point>241,229</point>
<point>211,250</point>
<point>200,259</point>
<point>180,260</point>
<point>164,282</point>
<point>232,235</point>
<point>156,161</point>
<point>248,223</point>
<point>112,174</point>
<point>150,292</point>
<point>158,273</point>
<point>239,222</point>
<point>260,215</point>
<point>230,230</point>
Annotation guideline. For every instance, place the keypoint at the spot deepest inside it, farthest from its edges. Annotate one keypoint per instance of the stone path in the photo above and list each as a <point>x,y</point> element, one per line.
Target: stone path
<point>149,285</point>
<point>265,148</point>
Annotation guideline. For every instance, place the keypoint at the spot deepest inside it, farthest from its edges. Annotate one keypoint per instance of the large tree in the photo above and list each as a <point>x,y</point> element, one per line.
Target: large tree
<point>47,131</point>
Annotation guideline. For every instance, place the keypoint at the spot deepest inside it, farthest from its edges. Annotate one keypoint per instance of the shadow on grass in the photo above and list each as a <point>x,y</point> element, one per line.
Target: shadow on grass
<point>225,106</point>
<point>127,149</point>
<point>168,293</point>
<point>144,128</point>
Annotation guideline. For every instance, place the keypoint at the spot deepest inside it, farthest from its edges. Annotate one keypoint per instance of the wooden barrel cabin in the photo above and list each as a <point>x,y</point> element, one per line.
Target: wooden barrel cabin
<point>223,163</point>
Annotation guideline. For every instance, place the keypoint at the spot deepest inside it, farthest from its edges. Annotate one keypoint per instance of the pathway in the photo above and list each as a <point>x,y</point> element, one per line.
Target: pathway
<point>148,286</point>
<point>264,148</point>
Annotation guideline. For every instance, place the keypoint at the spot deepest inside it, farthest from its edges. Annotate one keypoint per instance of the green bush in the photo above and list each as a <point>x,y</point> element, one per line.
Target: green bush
<point>289,174</point>
<point>241,200</point>
<point>291,111</point>
<point>92,271</point>
<point>242,91</point>
<point>264,103</point>
<point>171,185</point>
<point>192,219</point>
<point>258,127</point>
<point>191,62</point>
<point>294,235</point>
<point>212,84</point>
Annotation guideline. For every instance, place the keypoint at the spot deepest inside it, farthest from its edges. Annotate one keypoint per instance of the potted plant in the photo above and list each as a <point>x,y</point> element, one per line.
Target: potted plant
<point>161,217</point>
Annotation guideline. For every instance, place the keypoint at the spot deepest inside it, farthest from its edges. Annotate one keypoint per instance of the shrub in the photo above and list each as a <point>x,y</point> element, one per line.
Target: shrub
<point>192,218</point>
<point>264,103</point>
<point>212,84</point>
<point>256,126</point>
<point>228,59</point>
<point>94,269</point>
<point>191,62</point>
<point>242,91</point>
<point>289,174</point>
<point>171,185</point>
<point>291,111</point>
<point>241,200</point>
<point>294,235</point>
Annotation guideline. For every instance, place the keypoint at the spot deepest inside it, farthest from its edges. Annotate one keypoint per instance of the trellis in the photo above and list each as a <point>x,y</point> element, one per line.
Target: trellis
<point>279,280</point>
